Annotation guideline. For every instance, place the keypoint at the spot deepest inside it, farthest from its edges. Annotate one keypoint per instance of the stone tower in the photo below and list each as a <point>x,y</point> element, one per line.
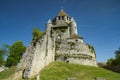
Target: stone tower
<point>61,42</point>
<point>64,20</point>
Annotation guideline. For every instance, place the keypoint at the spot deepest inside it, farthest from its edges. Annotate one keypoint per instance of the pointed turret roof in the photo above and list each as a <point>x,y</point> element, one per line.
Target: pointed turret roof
<point>49,21</point>
<point>62,13</point>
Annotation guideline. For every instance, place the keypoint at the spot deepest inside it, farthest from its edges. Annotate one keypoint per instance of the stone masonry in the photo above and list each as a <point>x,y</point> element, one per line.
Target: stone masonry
<point>60,43</point>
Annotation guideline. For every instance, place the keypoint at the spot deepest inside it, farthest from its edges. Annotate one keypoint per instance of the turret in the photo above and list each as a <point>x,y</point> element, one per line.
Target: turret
<point>48,26</point>
<point>62,18</point>
<point>73,26</point>
<point>49,23</point>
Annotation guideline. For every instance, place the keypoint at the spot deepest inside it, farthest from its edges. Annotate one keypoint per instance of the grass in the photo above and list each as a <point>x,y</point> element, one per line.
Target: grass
<point>61,71</point>
<point>7,73</point>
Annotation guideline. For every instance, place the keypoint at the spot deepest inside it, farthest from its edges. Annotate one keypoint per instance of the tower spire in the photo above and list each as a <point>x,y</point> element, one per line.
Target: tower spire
<point>62,13</point>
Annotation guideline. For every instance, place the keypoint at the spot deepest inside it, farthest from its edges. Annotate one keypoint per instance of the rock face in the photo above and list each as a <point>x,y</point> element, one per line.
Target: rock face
<point>60,43</point>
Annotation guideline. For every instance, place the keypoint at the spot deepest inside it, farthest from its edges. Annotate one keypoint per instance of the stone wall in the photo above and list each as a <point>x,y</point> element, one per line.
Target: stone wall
<point>74,51</point>
<point>54,46</point>
<point>61,43</point>
<point>37,57</point>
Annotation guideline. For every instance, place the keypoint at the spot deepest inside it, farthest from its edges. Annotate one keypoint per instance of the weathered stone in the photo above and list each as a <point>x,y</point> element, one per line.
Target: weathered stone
<point>37,77</point>
<point>60,43</point>
<point>3,68</point>
<point>100,78</point>
<point>71,79</point>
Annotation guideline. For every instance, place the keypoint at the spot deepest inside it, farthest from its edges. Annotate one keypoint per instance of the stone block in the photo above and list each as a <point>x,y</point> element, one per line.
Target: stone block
<point>71,79</point>
<point>100,78</point>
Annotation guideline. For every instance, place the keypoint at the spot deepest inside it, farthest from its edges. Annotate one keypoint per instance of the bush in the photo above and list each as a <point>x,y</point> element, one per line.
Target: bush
<point>36,34</point>
<point>109,61</point>
<point>115,61</point>
<point>117,57</point>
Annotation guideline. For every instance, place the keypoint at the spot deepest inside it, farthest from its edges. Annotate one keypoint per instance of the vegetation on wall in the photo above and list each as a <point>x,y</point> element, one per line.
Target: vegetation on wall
<point>36,35</point>
<point>92,49</point>
<point>63,29</point>
<point>57,30</point>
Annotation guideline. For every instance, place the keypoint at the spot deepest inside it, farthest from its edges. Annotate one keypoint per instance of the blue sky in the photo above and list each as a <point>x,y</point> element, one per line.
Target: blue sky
<point>98,21</point>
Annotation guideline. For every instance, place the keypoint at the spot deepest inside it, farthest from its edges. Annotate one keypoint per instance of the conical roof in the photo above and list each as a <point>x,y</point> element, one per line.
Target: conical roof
<point>62,13</point>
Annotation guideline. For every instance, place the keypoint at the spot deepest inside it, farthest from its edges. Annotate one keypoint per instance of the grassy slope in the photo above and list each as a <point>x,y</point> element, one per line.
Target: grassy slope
<point>61,71</point>
<point>7,73</point>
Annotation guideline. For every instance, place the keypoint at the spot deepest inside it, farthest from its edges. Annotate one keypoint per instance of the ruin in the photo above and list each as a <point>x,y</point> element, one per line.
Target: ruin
<point>60,42</point>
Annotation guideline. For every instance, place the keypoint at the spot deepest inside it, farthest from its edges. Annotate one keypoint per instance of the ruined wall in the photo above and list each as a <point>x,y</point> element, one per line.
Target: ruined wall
<point>55,45</point>
<point>74,51</point>
<point>37,57</point>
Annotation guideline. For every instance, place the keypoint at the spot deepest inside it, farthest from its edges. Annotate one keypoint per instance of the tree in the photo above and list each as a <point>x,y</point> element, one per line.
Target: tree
<point>16,52</point>
<point>117,57</point>
<point>4,51</point>
<point>116,60</point>
<point>111,61</point>
<point>1,57</point>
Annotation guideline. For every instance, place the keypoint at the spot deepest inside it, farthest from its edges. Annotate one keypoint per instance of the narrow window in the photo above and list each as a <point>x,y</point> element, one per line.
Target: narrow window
<point>67,18</point>
<point>59,17</point>
<point>62,17</point>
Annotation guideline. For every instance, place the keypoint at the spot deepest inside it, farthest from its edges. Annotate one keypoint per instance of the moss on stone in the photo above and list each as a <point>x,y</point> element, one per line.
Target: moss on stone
<point>92,49</point>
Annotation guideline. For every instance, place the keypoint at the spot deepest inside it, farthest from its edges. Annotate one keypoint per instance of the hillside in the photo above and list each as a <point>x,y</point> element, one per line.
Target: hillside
<point>61,71</point>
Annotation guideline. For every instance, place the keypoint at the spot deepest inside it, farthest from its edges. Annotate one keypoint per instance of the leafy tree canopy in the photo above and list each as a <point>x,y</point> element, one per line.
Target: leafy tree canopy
<point>116,60</point>
<point>117,57</point>
<point>16,52</point>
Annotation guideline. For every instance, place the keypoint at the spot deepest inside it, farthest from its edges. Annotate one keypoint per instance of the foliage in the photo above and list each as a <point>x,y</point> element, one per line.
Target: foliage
<point>1,57</point>
<point>117,57</point>
<point>16,52</point>
<point>63,29</point>
<point>4,51</point>
<point>36,34</point>
<point>111,61</point>
<point>61,71</point>
<point>116,60</point>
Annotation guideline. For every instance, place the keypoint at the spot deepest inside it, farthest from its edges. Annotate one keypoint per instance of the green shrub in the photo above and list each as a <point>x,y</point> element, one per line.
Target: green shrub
<point>36,35</point>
